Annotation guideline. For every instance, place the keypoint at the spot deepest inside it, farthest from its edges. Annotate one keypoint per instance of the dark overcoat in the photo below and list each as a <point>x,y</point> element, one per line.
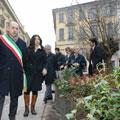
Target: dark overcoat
<point>68,61</point>
<point>60,60</point>
<point>51,65</point>
<point>80,59</point>
<point>96,56</point>
<point>11,72</point>
<point>35,63</point>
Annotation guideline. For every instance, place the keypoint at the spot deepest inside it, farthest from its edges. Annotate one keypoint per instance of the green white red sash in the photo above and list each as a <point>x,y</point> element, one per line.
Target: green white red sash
<point>16,51</point>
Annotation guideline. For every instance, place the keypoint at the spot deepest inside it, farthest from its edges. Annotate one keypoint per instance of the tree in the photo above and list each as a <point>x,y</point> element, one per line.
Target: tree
<point>100,20</point>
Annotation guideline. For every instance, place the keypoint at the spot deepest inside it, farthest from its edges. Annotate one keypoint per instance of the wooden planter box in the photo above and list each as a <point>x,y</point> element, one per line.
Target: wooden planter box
<point>64,106</point>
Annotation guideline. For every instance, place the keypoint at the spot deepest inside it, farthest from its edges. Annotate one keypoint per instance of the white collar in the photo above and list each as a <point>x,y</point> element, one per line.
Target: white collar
<point>39,47</point>
<point>15,39</point>
<point>93,47</point>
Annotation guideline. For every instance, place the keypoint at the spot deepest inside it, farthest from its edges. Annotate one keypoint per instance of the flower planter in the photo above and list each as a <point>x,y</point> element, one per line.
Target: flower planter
<point>64,105</point>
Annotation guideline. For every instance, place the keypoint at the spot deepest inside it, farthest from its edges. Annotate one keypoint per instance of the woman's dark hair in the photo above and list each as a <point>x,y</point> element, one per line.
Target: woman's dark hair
<point>94,40</point>
<point>67,49</point>
<point>32,42</point>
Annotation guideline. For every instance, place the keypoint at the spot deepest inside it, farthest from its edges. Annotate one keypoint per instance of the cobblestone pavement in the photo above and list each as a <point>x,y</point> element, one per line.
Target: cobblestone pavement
<point>45,111</point>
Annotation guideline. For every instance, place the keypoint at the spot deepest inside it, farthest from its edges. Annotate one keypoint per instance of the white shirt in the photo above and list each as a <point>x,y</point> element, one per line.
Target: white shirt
<point>36,48</point>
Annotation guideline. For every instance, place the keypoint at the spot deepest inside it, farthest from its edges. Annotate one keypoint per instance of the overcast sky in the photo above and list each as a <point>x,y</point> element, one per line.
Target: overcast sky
<point>36,16</point>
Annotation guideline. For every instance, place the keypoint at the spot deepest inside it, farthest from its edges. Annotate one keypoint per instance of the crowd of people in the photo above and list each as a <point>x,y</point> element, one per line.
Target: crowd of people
<point>38,64</point>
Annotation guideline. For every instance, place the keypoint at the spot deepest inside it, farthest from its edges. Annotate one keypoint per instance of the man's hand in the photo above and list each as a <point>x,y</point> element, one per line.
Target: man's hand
<point>44,71</point>
<point>76,64</point>
<point>62,66</point>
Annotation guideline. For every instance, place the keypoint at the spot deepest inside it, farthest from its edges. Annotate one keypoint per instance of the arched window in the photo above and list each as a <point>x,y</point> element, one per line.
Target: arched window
<point>2,21</point>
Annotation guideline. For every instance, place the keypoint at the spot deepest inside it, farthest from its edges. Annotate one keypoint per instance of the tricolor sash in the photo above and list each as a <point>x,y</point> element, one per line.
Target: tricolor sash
<point>9,42</point>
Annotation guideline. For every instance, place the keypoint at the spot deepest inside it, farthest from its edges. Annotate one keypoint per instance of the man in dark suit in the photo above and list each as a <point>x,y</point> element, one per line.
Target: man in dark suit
<point>96,56</point>
<point>51,75</point>
<point>68,56</point>
<point>60,61</point>
<point>11,69</point>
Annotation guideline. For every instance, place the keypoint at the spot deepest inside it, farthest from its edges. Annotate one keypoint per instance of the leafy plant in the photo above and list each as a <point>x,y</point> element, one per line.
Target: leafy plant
<point>104,103</point>
<point>68,73</point>
<point>100,98</point>
<point>116,73</point>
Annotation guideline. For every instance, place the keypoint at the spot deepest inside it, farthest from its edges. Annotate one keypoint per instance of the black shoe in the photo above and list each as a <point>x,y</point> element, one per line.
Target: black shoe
<point>53,91</point>
<point>49,98</point>
<point>45,100</point>
<point>13,118</point>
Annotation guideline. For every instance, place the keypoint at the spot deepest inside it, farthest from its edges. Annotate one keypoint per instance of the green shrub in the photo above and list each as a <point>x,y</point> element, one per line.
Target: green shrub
<point>100,97</point>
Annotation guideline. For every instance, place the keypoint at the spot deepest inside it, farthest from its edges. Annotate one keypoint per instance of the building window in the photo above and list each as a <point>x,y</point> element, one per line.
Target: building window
<point>70,33</point>
<point>2,21</point>
<point>109,29</point>
<point>1,9</point>
<point>81,15</point>
<point>61,17</point>
<point>94,30</point>
<point>113,63</point>
<point>61,34</point>
<point>110,10</point>
<point>107,12</point>
<point>82,33</point>
<point>92,13</point>
<point>7,24</point>
<point>70,15</point>
<point>119,45</point>
<point>83,51</point>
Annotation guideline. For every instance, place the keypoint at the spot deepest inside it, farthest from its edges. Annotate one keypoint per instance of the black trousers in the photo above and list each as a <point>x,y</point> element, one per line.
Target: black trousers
<point>2,99</point>
<point>12,108</point>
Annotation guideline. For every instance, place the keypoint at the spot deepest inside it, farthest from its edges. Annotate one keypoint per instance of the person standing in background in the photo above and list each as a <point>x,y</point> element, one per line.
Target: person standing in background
<point>68,56</point>
<point>51,75</point>
<point>60,61</point>
<point>78,61</point>
<point>96,56</point>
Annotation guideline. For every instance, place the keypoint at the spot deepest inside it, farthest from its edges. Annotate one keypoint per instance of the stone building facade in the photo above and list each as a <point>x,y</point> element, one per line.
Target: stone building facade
<point>70,24</point>
<point>7,14</point>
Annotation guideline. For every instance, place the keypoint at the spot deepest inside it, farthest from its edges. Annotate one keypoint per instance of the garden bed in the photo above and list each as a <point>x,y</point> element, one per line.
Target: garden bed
<point>95,98</point>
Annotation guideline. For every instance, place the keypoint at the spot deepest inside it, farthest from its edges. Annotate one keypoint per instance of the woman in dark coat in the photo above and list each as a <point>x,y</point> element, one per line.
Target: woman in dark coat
<point>36,60</point>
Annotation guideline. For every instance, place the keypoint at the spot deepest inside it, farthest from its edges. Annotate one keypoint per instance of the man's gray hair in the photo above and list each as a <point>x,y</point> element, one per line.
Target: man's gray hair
<point>47,46</point>
<point>12,22</point>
